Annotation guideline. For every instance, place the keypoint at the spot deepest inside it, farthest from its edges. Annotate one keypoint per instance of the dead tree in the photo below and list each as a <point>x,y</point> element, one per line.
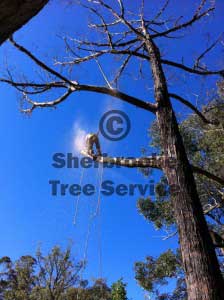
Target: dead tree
<point>134,36</point>
<point>15,13</point>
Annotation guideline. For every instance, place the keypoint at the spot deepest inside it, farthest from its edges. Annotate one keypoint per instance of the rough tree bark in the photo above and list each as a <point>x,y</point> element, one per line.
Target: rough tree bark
<point>15,13</point>
<point>203,276</point>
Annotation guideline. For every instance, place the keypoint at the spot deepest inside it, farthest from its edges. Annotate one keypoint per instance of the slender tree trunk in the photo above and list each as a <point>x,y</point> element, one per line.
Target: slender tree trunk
<point>203,276</point>
<point>15,13</point>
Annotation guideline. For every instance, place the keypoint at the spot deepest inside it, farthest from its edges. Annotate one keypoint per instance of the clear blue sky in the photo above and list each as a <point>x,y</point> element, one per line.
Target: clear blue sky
<point>29,215</point>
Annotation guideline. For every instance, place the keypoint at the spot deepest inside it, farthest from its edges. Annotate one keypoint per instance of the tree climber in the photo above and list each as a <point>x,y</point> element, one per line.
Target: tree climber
<point>91,141</point>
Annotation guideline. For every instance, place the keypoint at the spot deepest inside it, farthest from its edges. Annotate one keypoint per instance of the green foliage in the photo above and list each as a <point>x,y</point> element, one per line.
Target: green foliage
<point>119,290</point>
<point>39,278</point>
<point>179,293</point>
<point>158,212</point>
<point>54,276</point>
<point>155,271</point>
<point>99,291</point>
<point>17,280</point>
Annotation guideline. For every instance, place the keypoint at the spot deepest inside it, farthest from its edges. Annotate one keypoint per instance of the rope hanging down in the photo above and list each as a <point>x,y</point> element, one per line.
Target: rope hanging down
<point>92,148</point>
<point>78,198</point>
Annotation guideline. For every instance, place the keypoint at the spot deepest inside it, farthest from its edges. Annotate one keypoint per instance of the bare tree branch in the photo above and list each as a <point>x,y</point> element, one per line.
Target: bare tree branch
<point>39,62</point>
<point>160,12</point>
<point>209,175</point>
<point>75,86</point>
<point>194,108</point>
<point>34,85</point>
<point>54,103</point>
<point>142,162</point>
<point>119,17</point>
<point>203,54</point>
<point>196,17</point>
<point>89,88</point>
<point>192,70</point>
<point>120,95</point>
<point>101,53</point>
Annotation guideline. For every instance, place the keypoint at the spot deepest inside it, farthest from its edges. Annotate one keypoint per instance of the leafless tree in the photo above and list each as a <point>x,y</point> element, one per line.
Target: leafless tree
<point>132,36</point>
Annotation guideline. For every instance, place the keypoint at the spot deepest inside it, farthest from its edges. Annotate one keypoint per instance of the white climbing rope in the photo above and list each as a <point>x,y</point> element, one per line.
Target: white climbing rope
<point>78,198</point>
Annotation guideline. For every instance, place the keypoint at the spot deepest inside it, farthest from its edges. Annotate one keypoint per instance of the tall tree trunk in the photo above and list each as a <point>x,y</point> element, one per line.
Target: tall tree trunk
<point>203,275</point>
<point>15,13</point>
